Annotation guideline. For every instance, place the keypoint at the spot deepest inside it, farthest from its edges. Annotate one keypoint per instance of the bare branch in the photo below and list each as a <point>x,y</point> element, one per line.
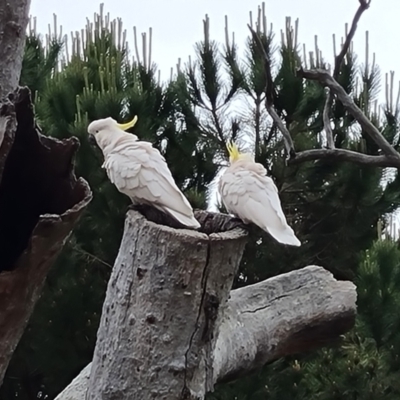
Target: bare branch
<point>269,97</point>
<point>327,80</point>
<point>285,315</point>
<point>327,121</point>
<point>346,155</point>
<point>364,5</point>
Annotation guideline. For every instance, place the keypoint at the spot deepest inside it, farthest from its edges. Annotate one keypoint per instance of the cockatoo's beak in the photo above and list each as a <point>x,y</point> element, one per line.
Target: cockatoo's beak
<point>128,125</point>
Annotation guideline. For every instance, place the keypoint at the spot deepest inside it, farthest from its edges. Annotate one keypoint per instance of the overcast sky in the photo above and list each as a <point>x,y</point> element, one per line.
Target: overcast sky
<point>177,24</point>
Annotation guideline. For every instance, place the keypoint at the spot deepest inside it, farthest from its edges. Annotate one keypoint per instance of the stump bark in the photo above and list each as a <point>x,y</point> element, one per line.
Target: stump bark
<point>159,322</point>
<point>40,202</point>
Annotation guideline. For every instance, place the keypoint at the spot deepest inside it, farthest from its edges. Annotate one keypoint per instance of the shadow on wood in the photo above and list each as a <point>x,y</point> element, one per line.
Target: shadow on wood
<point>40,201</point>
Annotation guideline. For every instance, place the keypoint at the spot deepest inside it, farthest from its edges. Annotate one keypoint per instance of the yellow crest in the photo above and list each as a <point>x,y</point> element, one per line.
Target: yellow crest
<point>233,150</point>
<point>129,124</point>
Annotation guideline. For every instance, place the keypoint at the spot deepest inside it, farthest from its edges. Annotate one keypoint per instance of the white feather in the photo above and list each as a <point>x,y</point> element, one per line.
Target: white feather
<point>252,196</point>
<point>141,172</point>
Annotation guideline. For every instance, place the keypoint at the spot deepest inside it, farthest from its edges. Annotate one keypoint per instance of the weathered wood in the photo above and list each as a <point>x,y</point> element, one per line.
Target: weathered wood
<point>40,201</point>
<point>154,340</point>
<point>14,17</point>
<point>156,334</point>
<point>288,314</point>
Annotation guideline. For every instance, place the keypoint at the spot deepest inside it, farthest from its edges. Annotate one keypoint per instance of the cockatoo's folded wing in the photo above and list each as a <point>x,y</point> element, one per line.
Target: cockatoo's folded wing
<point>141,172</point>
<point>254,198</point>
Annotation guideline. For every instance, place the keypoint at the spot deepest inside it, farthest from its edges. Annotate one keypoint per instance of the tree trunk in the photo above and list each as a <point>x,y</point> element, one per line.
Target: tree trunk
<point>171,327</point>
<point>40,201</point>
<point>14,17</point>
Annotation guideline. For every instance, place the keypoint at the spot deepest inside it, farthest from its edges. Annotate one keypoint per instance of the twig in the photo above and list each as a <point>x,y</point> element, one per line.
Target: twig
<point>269,97</point>
<point>364,5</point>
<point>383,161</point>
<point>330,144</point>
<point>326,79</point>
<point>90,255</point>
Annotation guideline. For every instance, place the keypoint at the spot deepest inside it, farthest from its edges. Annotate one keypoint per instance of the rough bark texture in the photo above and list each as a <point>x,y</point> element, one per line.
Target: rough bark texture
<point>40,201</point>
<point>155,338</point>
<point>288,314</point>
<point>162,333</point>
<point>14,16</point>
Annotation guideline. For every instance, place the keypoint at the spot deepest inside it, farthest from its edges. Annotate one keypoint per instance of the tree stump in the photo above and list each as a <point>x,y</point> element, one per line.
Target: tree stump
<point>166,293</point>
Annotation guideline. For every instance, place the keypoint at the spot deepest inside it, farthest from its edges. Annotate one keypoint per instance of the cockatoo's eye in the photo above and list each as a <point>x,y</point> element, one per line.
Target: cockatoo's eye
<point>97,131</point>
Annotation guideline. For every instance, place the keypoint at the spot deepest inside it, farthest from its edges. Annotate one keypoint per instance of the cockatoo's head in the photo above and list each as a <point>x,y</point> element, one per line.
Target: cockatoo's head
<point>108,126</point>
<point>235,154</point>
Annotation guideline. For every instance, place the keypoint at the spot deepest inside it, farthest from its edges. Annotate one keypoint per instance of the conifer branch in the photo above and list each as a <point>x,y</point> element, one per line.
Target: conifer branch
<point>364,5</point>
<point>269,96</point>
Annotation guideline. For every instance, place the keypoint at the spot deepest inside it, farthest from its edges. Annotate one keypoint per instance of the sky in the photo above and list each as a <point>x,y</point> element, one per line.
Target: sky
<point>177,24</point>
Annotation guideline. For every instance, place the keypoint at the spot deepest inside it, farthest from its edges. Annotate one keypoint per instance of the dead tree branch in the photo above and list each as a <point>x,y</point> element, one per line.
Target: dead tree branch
<point>340,155</point>
<point>330,144</point>
<point>289,314</point>
<point>326,79</point>
<point>364,5</point>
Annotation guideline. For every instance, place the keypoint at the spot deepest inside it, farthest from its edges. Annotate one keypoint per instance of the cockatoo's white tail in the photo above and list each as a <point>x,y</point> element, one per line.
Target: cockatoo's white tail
<point>190,222</point>
<point>285,236</point>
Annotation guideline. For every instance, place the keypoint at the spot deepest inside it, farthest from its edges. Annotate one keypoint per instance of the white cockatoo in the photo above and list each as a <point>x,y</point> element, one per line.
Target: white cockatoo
<point>139,171</point>
<point>249,194</point>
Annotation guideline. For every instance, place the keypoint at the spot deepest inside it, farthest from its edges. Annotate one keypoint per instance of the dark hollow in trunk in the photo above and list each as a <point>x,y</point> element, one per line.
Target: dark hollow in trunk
<point>40,202</point>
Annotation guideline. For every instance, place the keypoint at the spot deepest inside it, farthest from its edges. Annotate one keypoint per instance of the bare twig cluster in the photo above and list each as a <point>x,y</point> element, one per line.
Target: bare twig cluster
<point>389,157</point>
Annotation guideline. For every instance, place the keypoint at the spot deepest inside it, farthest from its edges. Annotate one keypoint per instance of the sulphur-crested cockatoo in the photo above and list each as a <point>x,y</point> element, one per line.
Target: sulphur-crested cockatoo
<point>249,194</point>
<point>139,170</point>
